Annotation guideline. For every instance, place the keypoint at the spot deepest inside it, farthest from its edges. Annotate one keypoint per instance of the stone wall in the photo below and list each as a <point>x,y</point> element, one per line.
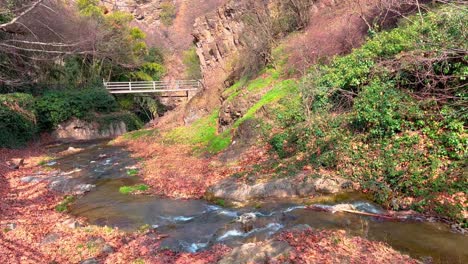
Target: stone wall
<point>76,129</point>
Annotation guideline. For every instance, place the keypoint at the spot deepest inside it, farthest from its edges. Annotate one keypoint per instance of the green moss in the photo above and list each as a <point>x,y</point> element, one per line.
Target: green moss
<point>132,172</point>
<point>233,91</point>
<point>134,188</point>
<point>260,83</point>
<point>202,134</point>
<point>63,205</point>
<point>220,202</point>
<point>280,57</point>
<point>219,143</point>
<point>144,133</point>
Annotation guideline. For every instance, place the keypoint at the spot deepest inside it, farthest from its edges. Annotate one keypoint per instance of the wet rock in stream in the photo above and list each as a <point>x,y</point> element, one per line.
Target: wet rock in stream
<point>83,188</point>
<point>247,221</point>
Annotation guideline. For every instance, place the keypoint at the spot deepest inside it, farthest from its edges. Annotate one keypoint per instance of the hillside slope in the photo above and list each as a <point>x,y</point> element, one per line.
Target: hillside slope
<point>391,115</point>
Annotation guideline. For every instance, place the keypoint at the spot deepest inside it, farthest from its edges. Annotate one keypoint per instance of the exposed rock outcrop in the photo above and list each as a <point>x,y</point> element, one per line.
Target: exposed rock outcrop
<point>260,252</point>
<point>76,129</point>
<point>218,36</point>
<point>218,42</point>
<point>148,10</point>
<point>298,186</point>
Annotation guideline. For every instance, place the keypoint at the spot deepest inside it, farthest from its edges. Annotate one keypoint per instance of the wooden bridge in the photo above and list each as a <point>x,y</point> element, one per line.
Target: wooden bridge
<point>175,88</point>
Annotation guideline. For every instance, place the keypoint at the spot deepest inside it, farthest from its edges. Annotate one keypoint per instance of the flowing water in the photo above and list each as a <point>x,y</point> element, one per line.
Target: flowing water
<point>194,225</point>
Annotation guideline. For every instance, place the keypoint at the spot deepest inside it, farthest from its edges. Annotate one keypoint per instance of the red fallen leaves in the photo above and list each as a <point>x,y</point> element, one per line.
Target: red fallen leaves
<point>173,171</point>
<point>312,246</point>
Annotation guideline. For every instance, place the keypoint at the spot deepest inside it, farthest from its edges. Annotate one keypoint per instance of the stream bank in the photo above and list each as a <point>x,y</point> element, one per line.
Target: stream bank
<point>195,226</point>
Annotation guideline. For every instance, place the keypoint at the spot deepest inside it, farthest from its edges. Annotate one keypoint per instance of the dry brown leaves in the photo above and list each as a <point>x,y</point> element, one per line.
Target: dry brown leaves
<point>173,170</point>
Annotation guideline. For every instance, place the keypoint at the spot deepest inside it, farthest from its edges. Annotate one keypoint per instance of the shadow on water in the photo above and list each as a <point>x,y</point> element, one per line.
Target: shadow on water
<point>193,225</point>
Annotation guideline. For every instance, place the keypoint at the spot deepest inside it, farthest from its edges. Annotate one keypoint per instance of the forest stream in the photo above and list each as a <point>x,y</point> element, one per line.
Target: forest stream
<point>195,225</point>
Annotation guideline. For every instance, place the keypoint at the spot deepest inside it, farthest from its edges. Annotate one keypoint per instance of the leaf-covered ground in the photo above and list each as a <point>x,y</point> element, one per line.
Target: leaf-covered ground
<point>174,171</point>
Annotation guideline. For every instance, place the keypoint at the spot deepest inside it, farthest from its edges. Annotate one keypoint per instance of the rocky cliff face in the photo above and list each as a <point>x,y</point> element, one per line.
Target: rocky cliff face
<point>174,33</point>
<point>333,28</point>
<point>217,37</point>
<point>148,10</point>
<point>220,36</point>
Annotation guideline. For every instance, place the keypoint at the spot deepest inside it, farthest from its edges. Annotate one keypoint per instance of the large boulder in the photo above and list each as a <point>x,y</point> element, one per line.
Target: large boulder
<point>257,252</point>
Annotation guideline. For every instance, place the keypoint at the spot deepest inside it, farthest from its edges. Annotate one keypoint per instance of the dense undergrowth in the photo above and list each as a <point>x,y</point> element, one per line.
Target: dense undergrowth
<point>18,119</point>
<point>391,115</point>
<point>24,116</point>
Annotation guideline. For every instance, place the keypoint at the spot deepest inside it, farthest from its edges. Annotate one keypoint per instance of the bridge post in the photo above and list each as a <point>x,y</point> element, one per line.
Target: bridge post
<point>130,85</point>
<point>154,85</point>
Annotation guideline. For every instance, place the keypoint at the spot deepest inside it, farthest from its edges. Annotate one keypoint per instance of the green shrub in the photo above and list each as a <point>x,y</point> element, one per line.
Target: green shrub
<point>58,106</point>
<point>126,101</point>
<point>149,71</point>
<point>65,203</point>
<point>17,120</point>
<point>131,120</point>
<point>155,55</point>
<point>405,102</point>
<point>192,64</point>
<point>439,31</point>
<point>132,172</point>
<point>277,142</point>
<point>378,108</point>
<point>168,13</point>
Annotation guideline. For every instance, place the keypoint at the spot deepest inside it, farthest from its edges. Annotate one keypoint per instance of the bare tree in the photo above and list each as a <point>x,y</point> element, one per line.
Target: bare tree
<point>40,34</point>
<point>39,31</point>
<point>301,10</point>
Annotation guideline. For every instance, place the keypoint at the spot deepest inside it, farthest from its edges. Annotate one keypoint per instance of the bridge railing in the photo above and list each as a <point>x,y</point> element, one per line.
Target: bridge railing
<point>153,86</point>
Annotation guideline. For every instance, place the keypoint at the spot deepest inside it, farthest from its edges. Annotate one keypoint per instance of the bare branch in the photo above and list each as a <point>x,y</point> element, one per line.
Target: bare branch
<point>5,26</point>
